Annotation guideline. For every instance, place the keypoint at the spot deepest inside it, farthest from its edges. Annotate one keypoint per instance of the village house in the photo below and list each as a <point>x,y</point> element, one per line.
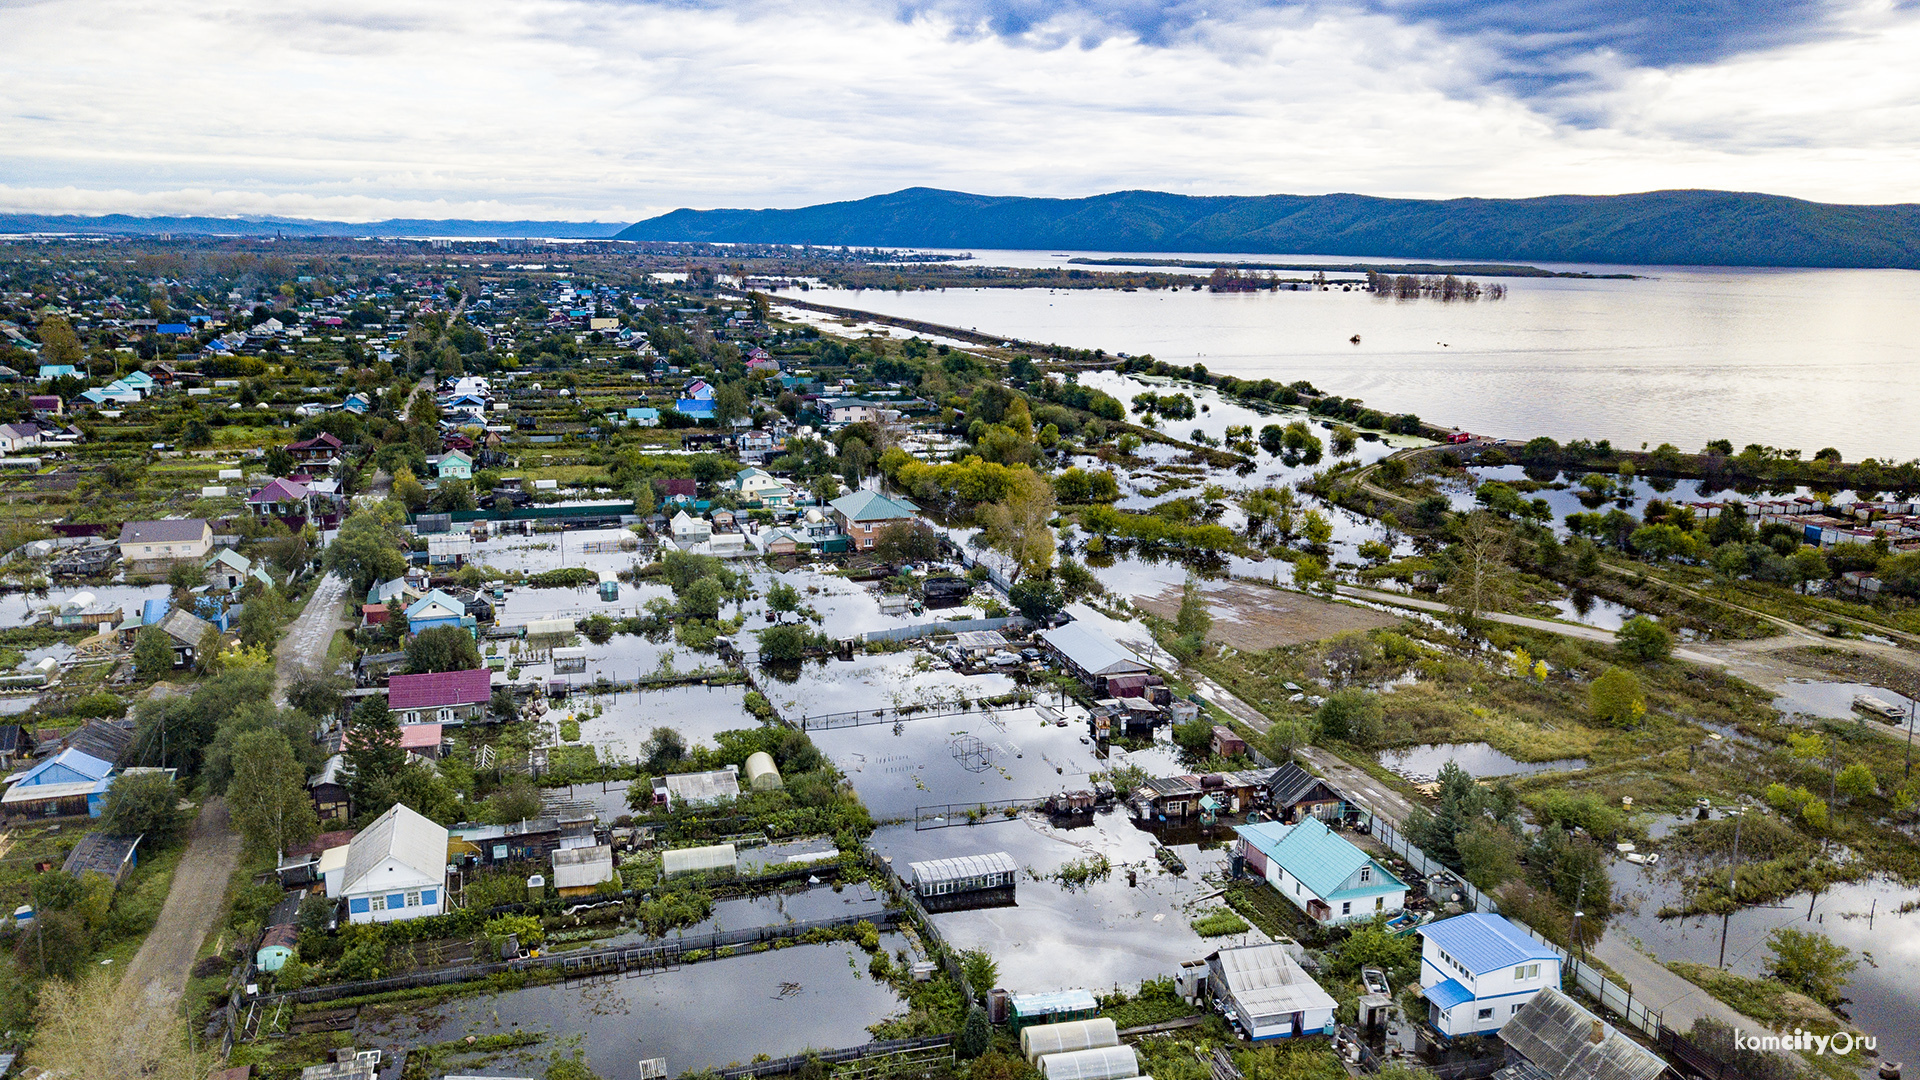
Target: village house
<point>1477,970</point>
<point>862,514</point>
<point>153,547</point>
<point>328,791</point>
<point>187,634</point>
<point>1267,994</point>
<point>395,869</point>
<point>688,529</point>
<point>696,400</point>
<point>284,499</point>
<point>230,571</point>
<point>1318,872</point>
<point>69,783</point>
<point>321,447</point>
<point>1294,793</point>
<point>17,437</point>
<point>452,465</point>
<point>1110,669</point>
<point>447,697</point>
<point>759,486</point>
<point>436,609</point>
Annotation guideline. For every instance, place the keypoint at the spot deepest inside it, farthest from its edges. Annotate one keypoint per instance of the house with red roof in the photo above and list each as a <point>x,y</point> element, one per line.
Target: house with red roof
<point>319,448</point>
<point>446,697</point>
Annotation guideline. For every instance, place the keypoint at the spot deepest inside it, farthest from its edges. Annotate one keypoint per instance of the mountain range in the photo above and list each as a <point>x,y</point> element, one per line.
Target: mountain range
<point>1685,228</point>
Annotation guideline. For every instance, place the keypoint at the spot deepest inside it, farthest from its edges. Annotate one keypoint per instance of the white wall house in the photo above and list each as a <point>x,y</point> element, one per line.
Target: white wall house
<point>1320,873</point>
<point>1477,970</point>
<point>396,869</point>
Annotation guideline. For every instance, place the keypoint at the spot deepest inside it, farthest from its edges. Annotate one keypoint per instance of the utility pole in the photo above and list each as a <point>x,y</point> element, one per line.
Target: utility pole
<point>1910,719</point>
<point>1579,893</point>
<point>1733,868</point>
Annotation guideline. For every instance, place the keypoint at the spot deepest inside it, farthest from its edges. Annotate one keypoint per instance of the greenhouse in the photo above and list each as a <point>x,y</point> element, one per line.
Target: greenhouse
<point>965,874</point>
<point>1100,1063</point>
<point>1044,1039</point>
<point>697,860</point>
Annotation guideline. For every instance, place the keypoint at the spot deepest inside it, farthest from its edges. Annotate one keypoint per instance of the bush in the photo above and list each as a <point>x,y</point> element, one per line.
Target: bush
<point>565,577</point>
<point>1616,698</point>
<point>1219,922</point>
<point>1643,639</point>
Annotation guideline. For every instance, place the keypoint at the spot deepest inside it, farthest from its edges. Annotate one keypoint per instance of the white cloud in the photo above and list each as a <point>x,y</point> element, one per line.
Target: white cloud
<point>574,109</point>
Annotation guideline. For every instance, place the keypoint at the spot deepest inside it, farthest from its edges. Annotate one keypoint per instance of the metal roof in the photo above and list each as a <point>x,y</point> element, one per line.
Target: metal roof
<point>873,506</point>
<point>1448,994</point>
<point>439,688</point>
<point>1483,942</point>
<point>172,531</point>
<point>1265,981</point>
<point>963,866</point>
<point>1569,1043</point>
<point>416,841</point>
<point>1092,652</point>
<point>100,854</point>
<point>1313,854</point>
<point>1054,1001</point>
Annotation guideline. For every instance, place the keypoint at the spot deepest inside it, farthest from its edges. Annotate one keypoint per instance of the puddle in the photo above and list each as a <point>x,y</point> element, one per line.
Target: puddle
<point>1422,763</point>
<point>1594,611</point>
<point>1834,700</point>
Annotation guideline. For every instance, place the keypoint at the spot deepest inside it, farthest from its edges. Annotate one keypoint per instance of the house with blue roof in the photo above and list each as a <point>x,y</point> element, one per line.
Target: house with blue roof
<point>1477,970</point>
<point>697,399</point>
<point>1320,873</point>
<point>69,782</point>
<point>436,609</point>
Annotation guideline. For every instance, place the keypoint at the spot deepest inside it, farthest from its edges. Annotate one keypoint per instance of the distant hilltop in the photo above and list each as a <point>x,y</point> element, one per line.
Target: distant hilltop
<point>1677,228</point>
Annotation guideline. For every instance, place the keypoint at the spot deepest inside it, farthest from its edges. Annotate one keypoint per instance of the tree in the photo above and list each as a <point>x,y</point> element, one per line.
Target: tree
<point>1193,619</point>
<point>152,653</point>
<point>1616,698</point>
<point>372,748</point>
<point>782,598</point>
<point>518,800</point>
<point>262,618</point>
<point>503,705</point>
<point>976,1035</point>
<point>268,794</point>
<point>1477,576</point>
<point>1351,715</point>
<point>1643,639</point>
<point>1316,529</point>
<point>59,344</point>
<point>907,542</point>
<point>409,490</point>
<point>366,551</point>
<point>97,1029</point>
<point>1017,526</point>
<point>1272,439</point>
<point>442,648</point>
<point>1037,598</point>
<point>1809,962</point>
<point>787,643</point>
<point>665,749</point>
<point>279,461</point>
<point>319,696</point>
<point>1855,781</point>
<point>1809,565</point>
<point>144,804</point>
<point>980,969</point>
<point>1489,854</point>
<point>729,404</point>
<point>701,600</point>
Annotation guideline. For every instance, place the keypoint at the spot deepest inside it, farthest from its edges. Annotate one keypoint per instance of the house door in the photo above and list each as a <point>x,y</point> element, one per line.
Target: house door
<point>1296,1024</point>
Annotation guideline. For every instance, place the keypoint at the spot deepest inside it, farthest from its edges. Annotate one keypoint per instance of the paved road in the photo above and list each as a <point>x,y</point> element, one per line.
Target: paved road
<point>1678,1001</point>
<point>159,970</point>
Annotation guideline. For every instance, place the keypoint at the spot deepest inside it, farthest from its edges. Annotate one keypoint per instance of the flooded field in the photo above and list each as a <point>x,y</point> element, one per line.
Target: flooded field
<point>18,608</point>
<point>1422,763</point>
<point>881,681</point>
<point>1834,701</point>
<point>697,712</point>
<point>1100,935</point>
<point>698,1016</point>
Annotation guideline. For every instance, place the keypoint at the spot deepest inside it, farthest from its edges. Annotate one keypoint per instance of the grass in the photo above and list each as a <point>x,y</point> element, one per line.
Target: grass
<point>1219,922</point>
<point>1776,1006</point>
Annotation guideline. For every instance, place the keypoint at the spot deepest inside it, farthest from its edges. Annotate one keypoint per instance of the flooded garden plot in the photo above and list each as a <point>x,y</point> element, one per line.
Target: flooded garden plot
<point>1100,934</point>
<point>1422,764</point>
<point>909,678</point>
<point>18,608</point>
<point>698,1016</point>
<point>1834,701</point>
<point>626,719</point>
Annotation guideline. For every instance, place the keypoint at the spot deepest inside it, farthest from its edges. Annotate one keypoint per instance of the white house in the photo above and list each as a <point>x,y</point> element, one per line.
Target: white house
<point>688,529</point>
<point>759,485</point>
<point>396,869</point>
<point>14,437</point>
<point>1320,873</point>
<point>1477,970</point>
<point>1268,994</point>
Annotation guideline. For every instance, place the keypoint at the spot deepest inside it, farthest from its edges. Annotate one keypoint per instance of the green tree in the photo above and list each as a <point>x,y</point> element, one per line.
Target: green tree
<point>59,344</point>
<point>97,1029</point>
<point>518,800</point>
<point>1351,715</point>
<point>1036,598</point>
<point>1489,854</point>
<point>1616,698</point>
<point>788,642</point>
<point>268,794</point>
<point>1855,781</point>
<point>372,749</point>
<point>152,654</point>
<point>366,551</point>
<point>262,618</point>
<point>409,490</point>
<point>1193,620</point>
<point>1316,529</point>
<point>982,973</point>
<point>1643,639</point>
<point>1018,525</point>
<point>144,804</point>
<point>782,598</point>
<point>664,751</point>
<point>1477,575</point>
<point>442,648</point>
<point>702,599</point>
<point>1809,962</point>
<point>976,1034</point>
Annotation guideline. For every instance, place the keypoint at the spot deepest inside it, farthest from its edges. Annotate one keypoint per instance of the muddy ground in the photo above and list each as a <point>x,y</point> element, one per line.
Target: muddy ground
<point>1254,618</point>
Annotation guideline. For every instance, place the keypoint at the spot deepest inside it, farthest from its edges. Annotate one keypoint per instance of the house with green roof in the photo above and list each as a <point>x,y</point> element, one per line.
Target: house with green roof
<point>1318,872</point>
<point>862,514</point>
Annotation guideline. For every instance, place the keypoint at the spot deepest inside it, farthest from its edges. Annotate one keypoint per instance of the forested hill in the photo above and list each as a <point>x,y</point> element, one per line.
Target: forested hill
<point>1710,228</point>
<point>128,225</point>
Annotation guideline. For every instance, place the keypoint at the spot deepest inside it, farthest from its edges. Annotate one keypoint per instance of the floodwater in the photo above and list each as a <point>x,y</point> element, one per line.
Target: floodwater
<point>1864,917</point>
<point>1633,494</point>
<point>1423,763</point>
<point>705,1015</point>
<point>698,713</point>
<point>1590,610</point>
<point>17,608</point>
<point>1834,700</point>
<point>880,681</point>
<point>1681,355</point>
<point>1102,935</point>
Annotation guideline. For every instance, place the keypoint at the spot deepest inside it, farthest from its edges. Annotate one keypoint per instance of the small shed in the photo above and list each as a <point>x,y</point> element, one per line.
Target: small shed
<point>1226,744</point>
<point>1042,1040</point>
<point>97,853</point>
<point>762,773</point>
<point>276,947</point>
<point>699,860</point>
<point>1099,1063</point>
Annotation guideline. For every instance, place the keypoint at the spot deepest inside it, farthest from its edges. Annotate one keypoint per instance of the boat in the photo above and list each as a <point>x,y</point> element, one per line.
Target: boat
<point>1375,981</point>
<point>1646,859</point>
<point>1407,922</point>
<point>1878,709</point>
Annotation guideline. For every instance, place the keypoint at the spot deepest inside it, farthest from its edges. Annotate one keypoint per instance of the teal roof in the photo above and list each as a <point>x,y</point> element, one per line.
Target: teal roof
<point>1321,861</point>
<point>873,506</point>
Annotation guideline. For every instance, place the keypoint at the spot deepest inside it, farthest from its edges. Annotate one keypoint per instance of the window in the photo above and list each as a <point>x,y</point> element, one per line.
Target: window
<point>1379,903</point>
<point>1513,1009</point>
<point>1366,873</point>
<point>1526,971</point>
<point>378,903</point>
<point>1346,907</point>
<point>1486,1014</point>
<point>413,898</point>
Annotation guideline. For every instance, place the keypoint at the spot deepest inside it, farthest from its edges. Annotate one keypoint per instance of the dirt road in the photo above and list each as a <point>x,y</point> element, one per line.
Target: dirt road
<point>159,970</point>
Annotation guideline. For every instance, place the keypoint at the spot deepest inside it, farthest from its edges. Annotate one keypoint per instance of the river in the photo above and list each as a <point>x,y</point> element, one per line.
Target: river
<point>1790,358</point>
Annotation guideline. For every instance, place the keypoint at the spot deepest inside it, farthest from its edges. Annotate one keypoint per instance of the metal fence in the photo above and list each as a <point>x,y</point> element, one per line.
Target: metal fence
<point>1611,996</point>
<point>936,629</point>
<point>883,1048</point>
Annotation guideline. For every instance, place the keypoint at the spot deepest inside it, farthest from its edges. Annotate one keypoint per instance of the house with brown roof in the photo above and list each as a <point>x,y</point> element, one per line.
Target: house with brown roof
<point>321,447</point>
<point>153,547</point>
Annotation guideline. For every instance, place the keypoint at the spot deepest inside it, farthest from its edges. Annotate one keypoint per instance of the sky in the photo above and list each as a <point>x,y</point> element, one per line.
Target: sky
<point>615,110</point>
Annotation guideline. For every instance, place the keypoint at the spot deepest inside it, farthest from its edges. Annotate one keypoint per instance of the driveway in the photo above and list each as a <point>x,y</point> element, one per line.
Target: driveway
<point>304,648</point>
<point>158,972</point>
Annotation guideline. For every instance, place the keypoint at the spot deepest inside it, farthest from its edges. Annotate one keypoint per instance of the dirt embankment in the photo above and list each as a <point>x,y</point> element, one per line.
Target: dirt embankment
<point>1254,618</point>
